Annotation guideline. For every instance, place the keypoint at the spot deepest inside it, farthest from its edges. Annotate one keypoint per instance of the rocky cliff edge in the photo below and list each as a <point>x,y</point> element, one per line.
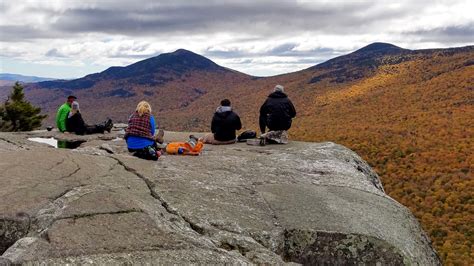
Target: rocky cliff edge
<point>298,203</point>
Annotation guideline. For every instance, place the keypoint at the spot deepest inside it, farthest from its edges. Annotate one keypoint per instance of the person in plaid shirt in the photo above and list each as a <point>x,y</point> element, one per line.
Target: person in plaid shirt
<point>140,133</point>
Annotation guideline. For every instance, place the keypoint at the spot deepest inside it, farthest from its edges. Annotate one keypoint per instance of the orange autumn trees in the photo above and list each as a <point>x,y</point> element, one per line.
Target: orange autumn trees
<point>413,124</point>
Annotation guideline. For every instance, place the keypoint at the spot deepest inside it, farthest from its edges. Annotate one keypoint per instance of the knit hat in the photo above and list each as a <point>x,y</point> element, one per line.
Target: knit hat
<point>278,88</point>
<point>225,102</point>
<point>75,105</point>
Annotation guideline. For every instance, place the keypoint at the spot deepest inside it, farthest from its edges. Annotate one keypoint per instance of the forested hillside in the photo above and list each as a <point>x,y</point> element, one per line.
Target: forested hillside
<point>413,122</point>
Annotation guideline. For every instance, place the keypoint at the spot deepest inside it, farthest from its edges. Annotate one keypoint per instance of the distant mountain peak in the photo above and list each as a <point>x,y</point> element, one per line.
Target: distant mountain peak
<point>365,60</point>
<point>182,51</point>
<point>180,60</point>
<point>379,47</point>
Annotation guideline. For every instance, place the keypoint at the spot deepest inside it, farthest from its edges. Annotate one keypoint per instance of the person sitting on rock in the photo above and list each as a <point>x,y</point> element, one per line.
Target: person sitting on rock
<point>76,124</point>
<point>63,111</point>
<point>223,126</point>
<point>140,133</point>
<point>276,113</point>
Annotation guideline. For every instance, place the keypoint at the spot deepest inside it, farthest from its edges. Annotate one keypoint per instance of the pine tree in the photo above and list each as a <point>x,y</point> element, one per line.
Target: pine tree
<point>17,114</point>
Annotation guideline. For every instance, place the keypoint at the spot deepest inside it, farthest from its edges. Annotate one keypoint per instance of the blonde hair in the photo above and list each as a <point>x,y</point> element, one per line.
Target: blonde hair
<point>143,107</point>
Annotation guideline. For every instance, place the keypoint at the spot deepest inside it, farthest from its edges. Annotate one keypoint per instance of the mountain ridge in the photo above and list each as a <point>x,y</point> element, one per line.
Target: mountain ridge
<point>376,48</point>
<point>182,61</point>
<point>22,78</point>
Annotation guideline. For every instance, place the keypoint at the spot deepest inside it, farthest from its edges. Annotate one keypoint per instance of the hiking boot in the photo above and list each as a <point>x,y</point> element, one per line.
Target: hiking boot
<point>161,146</point>
<point>109,125</point>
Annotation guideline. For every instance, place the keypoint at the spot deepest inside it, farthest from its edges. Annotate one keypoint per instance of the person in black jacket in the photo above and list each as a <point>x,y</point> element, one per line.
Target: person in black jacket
<point>75,123</point>
<point>276,113</point>
<point>223,126</point>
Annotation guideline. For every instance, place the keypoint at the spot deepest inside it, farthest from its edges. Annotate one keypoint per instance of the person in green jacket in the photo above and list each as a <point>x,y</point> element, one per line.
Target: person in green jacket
<point>62,113</point>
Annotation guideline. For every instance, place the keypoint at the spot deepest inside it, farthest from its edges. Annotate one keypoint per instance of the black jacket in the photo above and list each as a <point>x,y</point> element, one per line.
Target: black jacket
<point>76,124</point>
<point>224,125</point>
<point>276,112</point>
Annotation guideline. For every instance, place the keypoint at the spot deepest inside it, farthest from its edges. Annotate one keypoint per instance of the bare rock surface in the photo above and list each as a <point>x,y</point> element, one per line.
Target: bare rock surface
<point>308,203</point>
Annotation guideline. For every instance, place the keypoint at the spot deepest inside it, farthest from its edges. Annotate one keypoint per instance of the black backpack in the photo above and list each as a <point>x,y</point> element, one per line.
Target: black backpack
<point>247,134</point>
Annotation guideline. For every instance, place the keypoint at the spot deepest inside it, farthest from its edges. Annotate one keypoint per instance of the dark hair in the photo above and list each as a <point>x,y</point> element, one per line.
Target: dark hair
<point>71,96</point>
<point>225,102</point>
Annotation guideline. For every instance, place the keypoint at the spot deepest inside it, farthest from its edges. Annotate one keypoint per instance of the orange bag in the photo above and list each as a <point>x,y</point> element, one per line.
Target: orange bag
<point>184,148</point>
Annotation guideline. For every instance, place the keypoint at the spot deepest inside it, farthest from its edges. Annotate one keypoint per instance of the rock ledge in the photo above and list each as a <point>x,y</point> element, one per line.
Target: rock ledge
<point>308,203</point>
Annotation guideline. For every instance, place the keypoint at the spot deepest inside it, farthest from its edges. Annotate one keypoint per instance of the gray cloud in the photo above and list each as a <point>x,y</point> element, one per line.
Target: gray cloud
<point>263,18</point>
<point>133,56</point>
<point>283,50</point>
<point>16,33</point>
<point>54,53</point>
<point>226,53</point>
<point>260,19</point>
<point>449,34</point>
<point>138,51</point>
<point>298,59</point>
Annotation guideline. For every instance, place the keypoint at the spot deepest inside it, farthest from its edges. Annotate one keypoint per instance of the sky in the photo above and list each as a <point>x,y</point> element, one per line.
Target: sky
<point>73,38</point>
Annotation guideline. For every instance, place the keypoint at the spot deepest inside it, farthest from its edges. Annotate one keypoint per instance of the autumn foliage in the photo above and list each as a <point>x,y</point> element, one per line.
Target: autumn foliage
<point>413,122</point>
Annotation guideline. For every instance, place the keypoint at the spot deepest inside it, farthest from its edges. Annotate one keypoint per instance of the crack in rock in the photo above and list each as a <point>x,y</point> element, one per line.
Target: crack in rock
<point>155,195</point>
<point>87,215</point>
<point>14,144</point>
<point>45,217</point>
<point>78,168</point>
<point>57,164</point>
<point>371,176</point>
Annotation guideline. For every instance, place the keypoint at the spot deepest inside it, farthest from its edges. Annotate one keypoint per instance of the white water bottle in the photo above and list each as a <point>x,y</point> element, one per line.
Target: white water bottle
<point>192,141</point>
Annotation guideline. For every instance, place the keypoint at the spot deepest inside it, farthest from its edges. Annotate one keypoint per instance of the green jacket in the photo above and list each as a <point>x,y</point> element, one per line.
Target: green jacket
<point>61,116</point>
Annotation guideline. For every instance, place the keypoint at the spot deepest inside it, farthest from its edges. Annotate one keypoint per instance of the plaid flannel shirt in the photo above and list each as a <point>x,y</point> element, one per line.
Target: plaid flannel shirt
<point>139,126</point>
